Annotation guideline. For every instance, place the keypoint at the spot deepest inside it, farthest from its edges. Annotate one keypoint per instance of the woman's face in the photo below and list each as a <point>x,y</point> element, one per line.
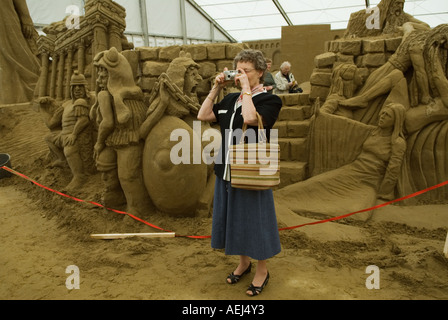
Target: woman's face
<point>286,70</point>
<point>386,119</point>
<point>252,74</point>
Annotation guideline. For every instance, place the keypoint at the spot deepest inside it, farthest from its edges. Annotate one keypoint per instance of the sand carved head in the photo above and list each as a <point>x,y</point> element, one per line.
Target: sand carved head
<point>116,74</point>
<point>184,73</point>
<point>346,78</point>
<point>392,116</point>
<point>436,47</point>
<point>78,86</point>
<point>396,8</point>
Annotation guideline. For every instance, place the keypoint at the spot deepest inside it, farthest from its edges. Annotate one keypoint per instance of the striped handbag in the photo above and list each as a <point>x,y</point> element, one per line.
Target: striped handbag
<point>255,166</point>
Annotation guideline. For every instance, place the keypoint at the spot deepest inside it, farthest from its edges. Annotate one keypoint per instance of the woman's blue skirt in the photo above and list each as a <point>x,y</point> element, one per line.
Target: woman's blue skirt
<point>244,222</point>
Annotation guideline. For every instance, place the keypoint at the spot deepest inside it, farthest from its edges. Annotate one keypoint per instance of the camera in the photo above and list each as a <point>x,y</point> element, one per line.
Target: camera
<point>230,74</point>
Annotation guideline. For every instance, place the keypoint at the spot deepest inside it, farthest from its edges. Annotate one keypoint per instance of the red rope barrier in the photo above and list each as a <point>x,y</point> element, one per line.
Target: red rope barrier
<point>370,209</point>
<point>208,237</point>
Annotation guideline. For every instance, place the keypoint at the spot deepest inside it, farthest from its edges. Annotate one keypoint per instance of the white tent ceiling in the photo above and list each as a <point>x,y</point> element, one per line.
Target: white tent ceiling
<point>196,21</point>
<point>262,19</point>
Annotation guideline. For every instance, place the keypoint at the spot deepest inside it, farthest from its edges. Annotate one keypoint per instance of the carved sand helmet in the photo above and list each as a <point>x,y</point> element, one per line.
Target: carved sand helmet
<point>78,79</point>
<point>121,83</point>
<point>178,68</point>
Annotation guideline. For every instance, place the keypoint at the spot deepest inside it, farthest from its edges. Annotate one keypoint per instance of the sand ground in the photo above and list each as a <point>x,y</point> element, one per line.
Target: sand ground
<point>44,233</point>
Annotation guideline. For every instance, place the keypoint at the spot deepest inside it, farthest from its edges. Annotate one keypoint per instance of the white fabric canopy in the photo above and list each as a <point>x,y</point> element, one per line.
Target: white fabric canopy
<point>261,19</point>
<point>230,20</point>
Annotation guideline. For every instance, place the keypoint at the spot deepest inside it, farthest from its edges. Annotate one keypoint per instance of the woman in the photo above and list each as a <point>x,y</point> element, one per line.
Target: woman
<point>285,81</point>
<point>244,221</point>
<point>269,82</point>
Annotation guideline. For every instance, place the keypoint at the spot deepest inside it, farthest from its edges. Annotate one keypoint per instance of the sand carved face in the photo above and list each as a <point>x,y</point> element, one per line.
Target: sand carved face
<point>386,119</point>
<point>397,8</point>
<point>183,72</point>
<point>103,78</point>
<point>79,91</point>
<point>360,77</point>
<point>192,79</point>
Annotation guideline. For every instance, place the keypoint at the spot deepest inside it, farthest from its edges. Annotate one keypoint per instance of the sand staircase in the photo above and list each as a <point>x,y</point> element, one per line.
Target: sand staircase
<point>293,125</point>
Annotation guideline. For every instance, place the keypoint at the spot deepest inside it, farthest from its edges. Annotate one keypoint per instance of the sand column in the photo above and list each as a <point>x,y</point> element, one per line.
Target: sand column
<point>81,56</point>
<point>60,84</point>
<point>54,73</point>
<point>44,74</point>
<point>115,33</point>
<point>69,72</point>
<point>99,43</point>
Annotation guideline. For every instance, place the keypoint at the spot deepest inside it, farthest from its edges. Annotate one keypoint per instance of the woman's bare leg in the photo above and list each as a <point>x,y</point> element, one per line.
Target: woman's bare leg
<point>260,275</point>
<point>244,264</point>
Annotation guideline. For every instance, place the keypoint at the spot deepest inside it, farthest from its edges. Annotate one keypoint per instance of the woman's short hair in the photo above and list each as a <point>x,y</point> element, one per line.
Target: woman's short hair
<point>254,56</point>
<point>285,64</point>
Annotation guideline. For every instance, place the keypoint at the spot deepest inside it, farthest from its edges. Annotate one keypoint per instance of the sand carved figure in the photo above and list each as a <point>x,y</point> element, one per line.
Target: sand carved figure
<point>346,79</point>
<point>19,66</point>
<point>184,188</point>
<point>390,15</point>
<point>118,113</point>
<point>373,160</point>
<point>416,77</point>
<point>71,137</point>
<point>409,56</point>
<point>51,113</point>
<point>426,161</point>
<point>437,109</point>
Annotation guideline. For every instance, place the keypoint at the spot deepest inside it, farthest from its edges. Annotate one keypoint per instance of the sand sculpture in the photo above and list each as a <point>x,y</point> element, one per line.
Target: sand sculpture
<point>19,65</point>
<point>390,18</point>
<point>71,136</point>
<point>130,143</point>
<point>119,112</point>
<point>63,50</point>
<point>391,122</point>
<point>347,156</point>
<point>134,144</point>
<point>183,188</point>
<point>373,154</point>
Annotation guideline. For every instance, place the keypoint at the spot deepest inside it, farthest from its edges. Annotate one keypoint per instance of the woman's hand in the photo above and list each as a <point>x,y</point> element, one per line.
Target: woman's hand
<point>243,79</point>
<point>220,81</point>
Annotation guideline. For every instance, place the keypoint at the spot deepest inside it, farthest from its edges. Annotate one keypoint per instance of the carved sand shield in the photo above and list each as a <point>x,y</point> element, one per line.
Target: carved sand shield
<point>174,188</point>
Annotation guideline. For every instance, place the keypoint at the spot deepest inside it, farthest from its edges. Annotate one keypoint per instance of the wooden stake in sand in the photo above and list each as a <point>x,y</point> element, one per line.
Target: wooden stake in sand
<point>445,250</point>
<point>115,236</point>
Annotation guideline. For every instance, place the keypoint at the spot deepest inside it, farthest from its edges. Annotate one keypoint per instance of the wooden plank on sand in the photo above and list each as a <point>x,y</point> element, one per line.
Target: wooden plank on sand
<point>115,236</point>
<point>445,250</point>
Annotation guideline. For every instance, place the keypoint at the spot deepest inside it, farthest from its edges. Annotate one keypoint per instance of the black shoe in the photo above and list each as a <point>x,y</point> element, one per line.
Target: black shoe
<point>257,290</point>
<point>235,278</point>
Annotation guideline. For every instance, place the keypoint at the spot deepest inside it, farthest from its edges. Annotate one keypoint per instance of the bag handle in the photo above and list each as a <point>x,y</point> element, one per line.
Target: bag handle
<point>261,133</point>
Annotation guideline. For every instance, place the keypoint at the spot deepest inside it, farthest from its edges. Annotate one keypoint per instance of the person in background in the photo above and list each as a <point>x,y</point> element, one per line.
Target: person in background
<point>285,81</point>
<point>269,82</point>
